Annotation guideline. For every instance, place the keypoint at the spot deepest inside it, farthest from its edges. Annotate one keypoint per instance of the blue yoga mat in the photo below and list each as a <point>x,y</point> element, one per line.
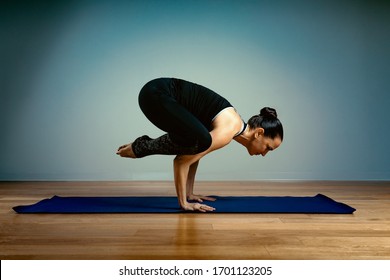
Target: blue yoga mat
<point>320,204</point>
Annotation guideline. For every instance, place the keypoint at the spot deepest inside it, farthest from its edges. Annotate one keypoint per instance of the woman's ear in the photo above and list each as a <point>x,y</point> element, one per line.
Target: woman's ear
<point>259,131</point>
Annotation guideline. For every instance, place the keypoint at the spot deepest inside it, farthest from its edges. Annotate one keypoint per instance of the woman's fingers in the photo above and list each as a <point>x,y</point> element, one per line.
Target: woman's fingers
<point>209,198</point>
<point>198,207</point>
<point>200,198</point>
<point>205,208</point>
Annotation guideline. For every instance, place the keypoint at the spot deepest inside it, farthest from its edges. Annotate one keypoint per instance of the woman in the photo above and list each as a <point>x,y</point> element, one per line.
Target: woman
<point>197,121</point>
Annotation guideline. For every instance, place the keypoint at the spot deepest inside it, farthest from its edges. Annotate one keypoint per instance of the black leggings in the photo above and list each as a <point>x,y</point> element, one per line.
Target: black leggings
<point>162,109</point>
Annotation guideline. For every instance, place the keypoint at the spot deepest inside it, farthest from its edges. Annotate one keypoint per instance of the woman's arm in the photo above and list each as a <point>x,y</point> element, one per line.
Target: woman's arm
<point>191,179</point>
<point>182,165</point>
<point>225,126</point>
<point>190,185</point>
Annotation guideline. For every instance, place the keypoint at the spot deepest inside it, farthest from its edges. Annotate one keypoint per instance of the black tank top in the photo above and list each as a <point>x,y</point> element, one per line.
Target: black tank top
<point>204,103</point>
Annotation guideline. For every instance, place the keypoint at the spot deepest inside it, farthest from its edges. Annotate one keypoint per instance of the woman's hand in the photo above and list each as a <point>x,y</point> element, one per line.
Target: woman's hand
<point>199,198</point>
<point>197,207</point>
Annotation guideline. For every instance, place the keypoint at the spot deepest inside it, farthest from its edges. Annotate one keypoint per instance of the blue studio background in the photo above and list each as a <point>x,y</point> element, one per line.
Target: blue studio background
<point>71,72</point>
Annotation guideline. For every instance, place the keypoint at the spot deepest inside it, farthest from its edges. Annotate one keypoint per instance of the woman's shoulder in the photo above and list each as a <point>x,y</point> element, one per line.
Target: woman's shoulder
<point>228,122</point>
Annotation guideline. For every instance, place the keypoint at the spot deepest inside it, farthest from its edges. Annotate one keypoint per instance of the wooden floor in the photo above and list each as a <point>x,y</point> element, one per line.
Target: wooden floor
<point>362,235</point>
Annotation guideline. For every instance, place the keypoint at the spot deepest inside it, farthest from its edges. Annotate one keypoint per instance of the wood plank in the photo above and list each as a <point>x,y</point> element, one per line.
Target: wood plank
<point>363,235</point>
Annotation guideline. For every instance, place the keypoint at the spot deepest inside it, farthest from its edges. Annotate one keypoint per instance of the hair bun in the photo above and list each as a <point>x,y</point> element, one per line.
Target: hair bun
<point>268,113</point>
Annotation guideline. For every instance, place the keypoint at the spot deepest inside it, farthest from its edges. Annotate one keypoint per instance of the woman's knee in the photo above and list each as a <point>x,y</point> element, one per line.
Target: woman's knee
<point>204,142</point>
<point>146,96</point>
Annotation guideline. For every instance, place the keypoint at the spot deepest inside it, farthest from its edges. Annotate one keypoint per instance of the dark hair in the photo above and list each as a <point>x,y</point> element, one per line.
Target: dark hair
<point>268,120</point>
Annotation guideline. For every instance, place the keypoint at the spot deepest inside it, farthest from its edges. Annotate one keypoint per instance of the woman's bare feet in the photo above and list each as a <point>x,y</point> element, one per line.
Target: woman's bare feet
<point>126,151</point>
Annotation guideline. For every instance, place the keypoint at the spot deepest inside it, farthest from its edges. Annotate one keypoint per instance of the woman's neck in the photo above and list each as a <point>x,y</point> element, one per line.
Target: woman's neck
<point>244,137</point>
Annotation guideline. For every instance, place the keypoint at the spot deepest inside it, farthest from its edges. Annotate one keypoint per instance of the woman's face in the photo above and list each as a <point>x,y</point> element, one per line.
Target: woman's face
<point>261,145</point>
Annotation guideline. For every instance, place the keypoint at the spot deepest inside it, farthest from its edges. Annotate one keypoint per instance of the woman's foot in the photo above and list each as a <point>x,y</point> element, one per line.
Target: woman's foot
<point>126,151</point>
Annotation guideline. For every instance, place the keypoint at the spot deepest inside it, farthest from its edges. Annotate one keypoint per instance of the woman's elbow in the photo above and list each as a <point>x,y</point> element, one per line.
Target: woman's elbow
<point>184,160</point>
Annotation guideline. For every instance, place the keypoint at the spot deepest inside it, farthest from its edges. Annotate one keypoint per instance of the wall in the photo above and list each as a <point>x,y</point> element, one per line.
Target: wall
<point>71,73</point>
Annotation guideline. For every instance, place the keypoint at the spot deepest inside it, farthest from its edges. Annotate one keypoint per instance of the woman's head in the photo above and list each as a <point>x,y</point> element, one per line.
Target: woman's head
<point>267,132</point>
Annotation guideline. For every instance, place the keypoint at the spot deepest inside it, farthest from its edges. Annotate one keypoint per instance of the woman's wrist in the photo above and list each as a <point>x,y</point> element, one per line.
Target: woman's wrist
<point>184,205</point>
<point>183,202</point>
